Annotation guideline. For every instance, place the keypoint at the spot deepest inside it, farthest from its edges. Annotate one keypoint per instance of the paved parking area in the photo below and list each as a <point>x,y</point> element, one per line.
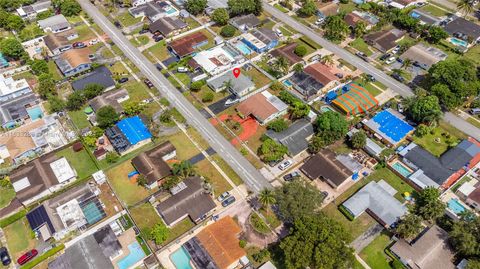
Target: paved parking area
<point>219,106</point>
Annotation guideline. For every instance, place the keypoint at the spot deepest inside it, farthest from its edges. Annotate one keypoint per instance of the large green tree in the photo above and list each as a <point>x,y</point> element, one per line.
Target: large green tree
<point>195,7</point>
<point>92,90</point>
<point>12,48</point>
<point>70,8</point>
<point>271,150</point>
<point>409,226</point>
<point>46,85</point>
<point>106,116</point>
<point>466,6</point>
<point>39,67</point>
<point>464,237</point>
<point>220,16</point>
<point>358,140</point>
<point>159,233</point>
<point>308,9</point>
<point>299,110</point>
<point>331,126</point>
<point>184,169</point>
<point>424,109</point>
<point>336,29</point>
<point>317,241</point>
<point>297,199</point>
<point>428,204</point>
<point>239,7</point>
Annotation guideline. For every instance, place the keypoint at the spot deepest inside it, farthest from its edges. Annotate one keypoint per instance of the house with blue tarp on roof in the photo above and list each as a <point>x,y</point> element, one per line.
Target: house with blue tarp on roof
<point>128,134</point>
<point>390,126</point>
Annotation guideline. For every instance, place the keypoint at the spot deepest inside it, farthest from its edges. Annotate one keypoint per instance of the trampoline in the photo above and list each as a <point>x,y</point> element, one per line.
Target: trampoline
<point>134,130</point>
<point>392,126</point>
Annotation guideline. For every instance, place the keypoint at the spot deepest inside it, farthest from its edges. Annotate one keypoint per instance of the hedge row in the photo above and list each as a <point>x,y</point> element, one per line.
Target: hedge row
<point>43,257</point>
<point>345,212</point>
<point>11,219</point>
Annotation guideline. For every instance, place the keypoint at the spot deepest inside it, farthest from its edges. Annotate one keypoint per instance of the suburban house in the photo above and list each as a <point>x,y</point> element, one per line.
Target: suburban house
<point>11,88</point>
<point>425,18</point>
<point>217,246</point>
<point>323,74</point>
<point>240,86</point>
<point>463,29</point>
<point>470,194</point>
<point>111,98</point>
<point>186,45</point>
<point>315,79</point>
<point>98,250</point>
<point>401,4</point>
<point>189,199</point>
<point>167,26</point>
<point>15,111</point>
<point>384,40</point>
<point>335,170</point>
<point>295,138</point>
<point>152,164</point>
<point>355,100</point>
<point>263,106</point>
<point>41,177</point>
<point>101,76</point>
<point>356,16</point>
<point>325,9</point>
<point>390,126</point>
<point>77,208</point>
<point>441,171</point>
<point>423,56</point>
<point>377,199</point>
<point>30,11</point>
<point>154,10</point>
<point>54,24</point>
<point>60,42</point>
<point>215,60</point>
<point>73,62</point>
<point>128,134</point>
<point>430,251</point>
<point>260,40</point>
<point>245,23</point>
<point>288,52</point>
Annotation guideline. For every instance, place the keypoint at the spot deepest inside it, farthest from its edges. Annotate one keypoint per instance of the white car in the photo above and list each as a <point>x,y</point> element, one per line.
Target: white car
<point>182,69</point>
<point>319,21</point>
<point>396,50</point>
<point>93,42</point>
<point>285,165</point>
<point>278,32</point>
<point>223,196</point>
<point>390,60</point>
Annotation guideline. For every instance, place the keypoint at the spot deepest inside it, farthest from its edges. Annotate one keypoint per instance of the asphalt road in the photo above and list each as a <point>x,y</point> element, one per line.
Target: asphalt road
<point>367,68</point>
<point>250,175</point>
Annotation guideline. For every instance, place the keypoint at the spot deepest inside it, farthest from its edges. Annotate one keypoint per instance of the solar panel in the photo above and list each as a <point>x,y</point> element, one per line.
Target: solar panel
<point>38,217</point>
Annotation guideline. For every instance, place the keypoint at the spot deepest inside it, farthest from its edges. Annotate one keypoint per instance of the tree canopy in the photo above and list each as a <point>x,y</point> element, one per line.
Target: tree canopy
<point>424,109</point>
<point>195,7</point>
<point>46,85</point>
<point>270,150</point>
<point>12,48</point>
<point>336,29</point>
<point>409,226</point>
<point>220,16</point>
<point>428,204</point>
<point>358,140</point>
<point>228,31</point>
<point>239,7</point>
<point>308,9</point>
<point>69,8</point>
<point>331,126</point>
<point>39,67</point>
<point>278,125</point>
<point>106,116</point>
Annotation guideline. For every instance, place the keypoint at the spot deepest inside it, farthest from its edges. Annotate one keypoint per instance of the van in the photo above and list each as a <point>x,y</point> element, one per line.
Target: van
<point>182,69</point>
<point>475,111</point>
<point>278,32</point>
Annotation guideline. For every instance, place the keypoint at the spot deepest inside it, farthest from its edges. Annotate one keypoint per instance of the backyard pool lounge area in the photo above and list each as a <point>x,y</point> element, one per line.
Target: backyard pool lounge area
<point>136,254</point>
<point>181,259</point>
<point>401,169</point>
<point>458,42</point>
<point>243,48</point>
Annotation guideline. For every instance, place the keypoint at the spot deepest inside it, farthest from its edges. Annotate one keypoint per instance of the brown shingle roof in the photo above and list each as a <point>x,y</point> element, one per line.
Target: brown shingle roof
<point>166,25</point>
<point>109,99</point>
<point>54,41</point>
<point>151,164</point>
<point>220,239</point>
<point>185,45</point>
<point>258,106</point>
<point>77,57</point>
<point>287,51</point>
<point>324,165</point>
<point>352,19</point>
<point>475,195</point>
<point>17,145</point>
<point>321,73</point>
<point>384,40</point>
<point>328,8</point>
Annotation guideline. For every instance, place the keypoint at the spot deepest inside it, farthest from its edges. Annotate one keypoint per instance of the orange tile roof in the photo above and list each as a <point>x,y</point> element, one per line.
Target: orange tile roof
<point>258,106</point>
<point>220,239</point>
<point>76,57</point>
<point>321,73</point>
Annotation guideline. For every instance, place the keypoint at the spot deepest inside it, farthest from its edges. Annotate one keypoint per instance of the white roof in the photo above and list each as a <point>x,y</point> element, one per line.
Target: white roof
<point>62,170</point>
<point>466,188</point>
<point>275,101</point>
<point>255,41</point>
<point>214,58</point>
<point>267,265</point>
<point>9,85</point>
<point>99,176</point>
<point>21,184</point>
<point>70,213</point>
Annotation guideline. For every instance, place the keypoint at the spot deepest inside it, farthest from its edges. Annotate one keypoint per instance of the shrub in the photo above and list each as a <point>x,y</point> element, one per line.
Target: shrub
<point>242,243</point>
<point>11,219</point>
<point>345,212</point>
<point>207,97</point>
<point>228,31</point>
<point>112,157</point>
<point>422,130</point>
<point>197,85</point>
<point>277,86</point>
<point>300,50</point>
<point>278,125</point>
<point>258,224</point>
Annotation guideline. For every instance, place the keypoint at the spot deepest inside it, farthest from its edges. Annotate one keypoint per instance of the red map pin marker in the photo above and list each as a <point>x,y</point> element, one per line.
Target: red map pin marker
<point>236,72</point>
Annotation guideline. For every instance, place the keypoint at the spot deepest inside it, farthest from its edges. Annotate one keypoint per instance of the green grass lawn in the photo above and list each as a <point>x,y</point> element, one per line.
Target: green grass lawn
<point>145,216</point>
<point>279,7</point>
<point>79,118</point>
<point>380,85</point>
<point>285,31</point>
<point>257,77</point>
<point>184,78</point>
<point>374,254</point>
<point>52,67</point>
<point>309,48</point>
<point>179,229</point>
<point>474,122</point>
<point>127,190</point>
<point>347,8</point>
<point>159,50</point>
<point>219,183</point>
<point>368,86</point>
<point>118,69</point>
<point>347,64</point>
<point>436,148</point>
<point>435,11</point>
<point>460,183</point>
<point>360,45</point>
<point>137,90</point>
<point>185,147</point>
<point>127,20</point>
<point>357,265</point>
<point>80,161</point>
<point>6,196</point>
<point>228,170</point>
<point>19,238</point>
<point>84,32</point>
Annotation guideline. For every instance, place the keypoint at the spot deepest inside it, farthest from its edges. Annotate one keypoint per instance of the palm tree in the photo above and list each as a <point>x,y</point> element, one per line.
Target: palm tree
<point>406,63</point>
<point>282,65</point>
<point>228,84</point>
<point>298,67</point>
<point>183,169</point>
<point>327,59</point>
<point>466,6</point>
<point>266,198</point>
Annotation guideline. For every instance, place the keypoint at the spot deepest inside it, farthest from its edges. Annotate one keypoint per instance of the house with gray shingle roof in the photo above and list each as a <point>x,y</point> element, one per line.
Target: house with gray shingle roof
<point>54,24</point>
<point>295,138</point>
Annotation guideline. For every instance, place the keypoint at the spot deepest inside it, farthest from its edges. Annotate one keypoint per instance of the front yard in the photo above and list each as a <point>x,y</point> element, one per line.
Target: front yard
<point>374,254</point>
<point>206,169</point>
<point>19,238</point>
<point>360,45</point>
<point>127,20</point>
<point>6,196</point>
<point>439,139</point>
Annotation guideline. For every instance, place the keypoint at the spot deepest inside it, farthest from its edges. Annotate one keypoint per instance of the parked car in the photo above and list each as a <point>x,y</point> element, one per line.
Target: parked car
<point>371,78</point>
<point>390,60</point>
<point>182,69</point>
<point>475,111</point>
<point>27,257</point>
<point>93,42</point>
<point>325,194</point>
<point>148,83</point>
<point>78,45</point>
<point>274,163</point>
<point>122,80</point>
<point>396,50</point>
<point>91,56</point>
<point>291,176</point>
<point>285,164</point>
<point>159,67</point>
<point>398,77</point>
<point>319,21</point>
<point>143,31</point>
<point>117,24</point>
<point>363,56</point>
<point>6,260</point>
<point>223,196</point>
<point>385,56</point>
<point>230,102</point>
<point>157,38</point>
<point>230,200</point>
<point>278,32</point>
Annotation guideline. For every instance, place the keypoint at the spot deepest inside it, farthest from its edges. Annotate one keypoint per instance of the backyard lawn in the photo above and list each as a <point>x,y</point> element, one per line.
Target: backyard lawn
<point>374,254</point>
<point>360,45</point>
<point>206,169</point>
<point>369,87</point>
<point>127,190</point>
<point>436,143</point>
<point>80,161</point>
<point>159,50</point>
<point>257,77</point>
<point>19,238</point>
<point>79,118</point>
<point>179,229</point>
<point>6,195</point>
<point>145,216</point>
<point>434,11</point>
<point>52,68</point>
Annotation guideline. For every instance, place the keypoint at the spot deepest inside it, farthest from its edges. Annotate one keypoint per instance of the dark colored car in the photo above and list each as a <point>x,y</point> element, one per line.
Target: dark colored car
<point>117,24</point>
<point>274,163</point>
<point>371,78</point>
<point>143,31</point>
<point>4,257</point>
<point>291,176</point>
<point>230,200</point>
<point>158,38</point>
<point>122,80</point>
<point>148,83</point>
<point>385,56</point>
<point>398,77</point>
<point>27,257</point>
<point>159,67</point>
<point>78,45</point>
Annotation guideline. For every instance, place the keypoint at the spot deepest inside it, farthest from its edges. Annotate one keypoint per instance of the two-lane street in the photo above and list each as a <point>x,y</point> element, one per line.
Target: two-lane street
<point>250,175</point>
<point>367,68</point>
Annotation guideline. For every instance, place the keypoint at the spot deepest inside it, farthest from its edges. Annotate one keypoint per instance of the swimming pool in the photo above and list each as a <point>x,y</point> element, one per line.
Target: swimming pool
<point>325,109</point>
<point>287,83</point>
<point>135,255</point>
<point>414,15</point>
<point>35,112</point>
<point>458,42</point>
<point>401,169</point>
<point>454,205</point>
<point>181,259</point>
<point>243,48</point>
<point>170,10</point>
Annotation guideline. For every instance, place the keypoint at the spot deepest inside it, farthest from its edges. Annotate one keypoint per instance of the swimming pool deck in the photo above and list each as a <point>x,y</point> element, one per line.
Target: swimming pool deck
<point>125,239</point>
<point>448,195</point>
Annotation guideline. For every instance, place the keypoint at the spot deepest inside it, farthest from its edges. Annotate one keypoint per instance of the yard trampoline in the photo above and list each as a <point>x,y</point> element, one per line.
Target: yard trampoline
<point>134,130</point>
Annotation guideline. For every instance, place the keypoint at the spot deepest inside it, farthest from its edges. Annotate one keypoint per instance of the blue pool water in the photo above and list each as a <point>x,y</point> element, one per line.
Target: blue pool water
<point>325,109</point>
<point>287,83</point>
<point>135,255</point>
<point>401,169</point>
<point>458,42</point>
<point>414,15</point>
<point>3,61</point>
<point>455,206</point>
<point>35,112</point>
<point>170,10</point>
<point>181,259</point>
<point>243,48</point>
